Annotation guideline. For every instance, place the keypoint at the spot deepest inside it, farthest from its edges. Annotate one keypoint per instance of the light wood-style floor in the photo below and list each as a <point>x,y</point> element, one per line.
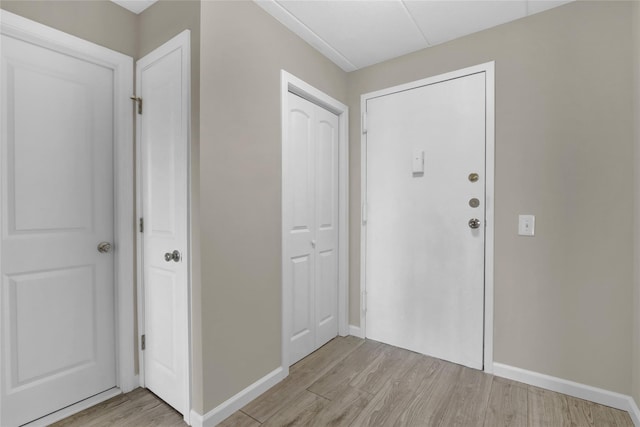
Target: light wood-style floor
<point>354,382</point>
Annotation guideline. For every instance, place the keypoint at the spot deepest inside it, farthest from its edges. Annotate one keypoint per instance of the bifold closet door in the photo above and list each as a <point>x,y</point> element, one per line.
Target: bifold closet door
<point>311,226</point>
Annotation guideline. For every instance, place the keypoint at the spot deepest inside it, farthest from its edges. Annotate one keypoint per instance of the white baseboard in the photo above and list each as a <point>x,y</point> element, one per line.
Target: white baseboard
<point>634,412</point>
<point>356,331</point>
<point>582,391</point>
<point>231,405</point>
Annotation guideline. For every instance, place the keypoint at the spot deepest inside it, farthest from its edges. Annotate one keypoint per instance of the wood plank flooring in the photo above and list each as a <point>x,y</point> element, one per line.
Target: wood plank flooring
<point>354,382</point>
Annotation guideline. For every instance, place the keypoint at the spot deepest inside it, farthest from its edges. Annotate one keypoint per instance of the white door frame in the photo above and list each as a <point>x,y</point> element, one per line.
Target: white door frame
<point>488,69</point>
<point>181,41</point>
<point>290,83</point>
<point>20,28</point>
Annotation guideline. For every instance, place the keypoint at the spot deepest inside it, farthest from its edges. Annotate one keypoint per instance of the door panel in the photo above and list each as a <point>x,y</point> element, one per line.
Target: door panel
<point>326,226</point>
<point>303,311</point>
<point>164,144</point>
<point>425,265</point>
<point>300,230</point>
<point>58,334</point>
<point>311,205</point>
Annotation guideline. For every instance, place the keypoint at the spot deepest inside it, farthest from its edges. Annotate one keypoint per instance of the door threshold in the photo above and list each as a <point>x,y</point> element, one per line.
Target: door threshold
<point>67,411</point>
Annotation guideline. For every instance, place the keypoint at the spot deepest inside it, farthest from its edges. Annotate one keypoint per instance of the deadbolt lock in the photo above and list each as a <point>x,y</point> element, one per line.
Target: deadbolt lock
<point>473,177</point>
<point>474,203</point>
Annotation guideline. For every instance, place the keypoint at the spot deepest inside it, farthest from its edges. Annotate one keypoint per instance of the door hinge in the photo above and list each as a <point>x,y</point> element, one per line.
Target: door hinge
<point>143,342</point>
<point>364,122</point>
<point>141,225</point>
<point>364,301</point>
<point>138,100</point>
<point>364,213</point>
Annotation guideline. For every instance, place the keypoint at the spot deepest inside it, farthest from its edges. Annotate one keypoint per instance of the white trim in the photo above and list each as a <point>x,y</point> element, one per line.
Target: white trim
<point>294,24</point>
<point>634,412</point>
<point>183,42</point>
<point>75,408</point>
<point>356,331</point>
<point>239,400</point>
<point>33,32</point>
<point>489,70</point>
<point>290,83</point>
<point>571,388</point>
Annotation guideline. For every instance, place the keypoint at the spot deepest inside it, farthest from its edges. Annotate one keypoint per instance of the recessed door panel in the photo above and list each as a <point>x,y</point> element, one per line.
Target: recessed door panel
<point>65,303</point>
<point>50,177</point>
<point>160,313</point>
<point>301,171</point>
<point>160,103</point>
<point>302,278</point>
<point>326,172</point>
<point>327,296</point>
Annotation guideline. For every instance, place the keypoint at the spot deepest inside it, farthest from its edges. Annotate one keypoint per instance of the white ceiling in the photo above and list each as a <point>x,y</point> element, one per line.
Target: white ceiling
<point>135,6</point>
<point>356,34</point>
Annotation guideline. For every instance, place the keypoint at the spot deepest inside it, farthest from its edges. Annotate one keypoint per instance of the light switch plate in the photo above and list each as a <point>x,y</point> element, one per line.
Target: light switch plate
<point>526,225</point>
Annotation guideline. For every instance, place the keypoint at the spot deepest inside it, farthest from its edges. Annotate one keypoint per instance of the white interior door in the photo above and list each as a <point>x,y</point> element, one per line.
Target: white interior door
<point>424,263</point>
<point>58,338</point>
<point>311,226</point>
<point>163,135</point>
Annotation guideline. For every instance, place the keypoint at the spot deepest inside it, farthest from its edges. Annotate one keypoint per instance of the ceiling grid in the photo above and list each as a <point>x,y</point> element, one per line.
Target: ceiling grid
<point>356,34</point>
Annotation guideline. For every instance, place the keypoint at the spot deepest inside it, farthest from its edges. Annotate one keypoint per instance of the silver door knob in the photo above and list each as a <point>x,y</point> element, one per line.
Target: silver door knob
<point>104,247</point>
<point>172,256</point>
<point>474,223</point>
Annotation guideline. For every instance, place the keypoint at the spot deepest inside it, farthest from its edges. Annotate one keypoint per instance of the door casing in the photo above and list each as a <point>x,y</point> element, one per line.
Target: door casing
<point>181,41</point>
<point>122,66</point>
<point>489,70</point>
<point>290,83</point>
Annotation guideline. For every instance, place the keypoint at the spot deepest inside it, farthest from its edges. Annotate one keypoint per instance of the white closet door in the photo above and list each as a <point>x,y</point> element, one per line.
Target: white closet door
<point>58,343</point>
<point>326,225</point>
<point>164,141</point>
<point>311,230</point>
<point>425,264</point>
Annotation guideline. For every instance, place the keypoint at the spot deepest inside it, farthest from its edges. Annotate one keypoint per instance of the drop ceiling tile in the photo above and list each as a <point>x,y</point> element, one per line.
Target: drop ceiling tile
<point>536,6</point>
<point>441,21</point>
<point>364,32</point>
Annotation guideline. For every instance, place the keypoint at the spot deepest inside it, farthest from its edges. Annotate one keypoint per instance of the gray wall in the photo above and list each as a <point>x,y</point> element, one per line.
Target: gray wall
<point>636,214</point>
<point>101,21</point>
<point>156,25</point>
<point>243,50</point>
<point>564,152</point>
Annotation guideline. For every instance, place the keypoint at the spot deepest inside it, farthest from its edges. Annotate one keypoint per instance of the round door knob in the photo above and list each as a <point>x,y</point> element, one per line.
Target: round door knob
<point>474,223</point>
<point>104,247</point>
<point>172,256</point>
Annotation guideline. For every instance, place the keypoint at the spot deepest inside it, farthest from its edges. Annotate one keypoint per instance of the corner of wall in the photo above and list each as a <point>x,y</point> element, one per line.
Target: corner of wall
<point>636,206</point>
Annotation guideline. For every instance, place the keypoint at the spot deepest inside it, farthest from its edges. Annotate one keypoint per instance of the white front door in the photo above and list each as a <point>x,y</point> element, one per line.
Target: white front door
<point>57,151</point>
<point>424,262</point>
<point>163,136</point>
<point>311,226</point>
